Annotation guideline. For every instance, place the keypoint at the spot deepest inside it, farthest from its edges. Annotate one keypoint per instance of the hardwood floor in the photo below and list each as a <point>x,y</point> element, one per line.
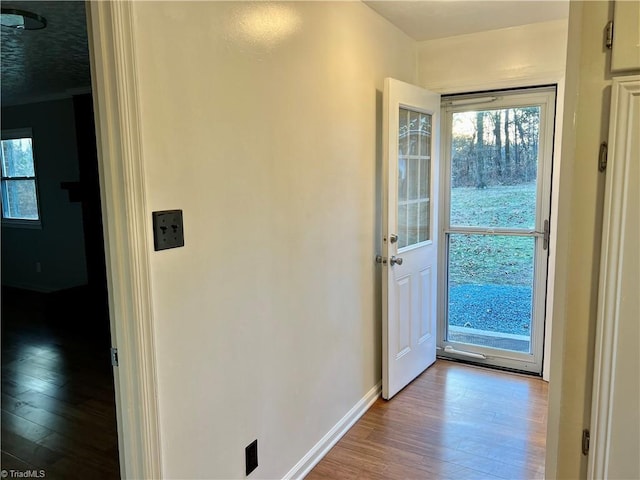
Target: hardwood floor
<point>58,411</point>
<point>454,421</point>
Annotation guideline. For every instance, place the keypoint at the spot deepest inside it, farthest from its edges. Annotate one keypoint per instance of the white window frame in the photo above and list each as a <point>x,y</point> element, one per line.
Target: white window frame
<point>13,134</point>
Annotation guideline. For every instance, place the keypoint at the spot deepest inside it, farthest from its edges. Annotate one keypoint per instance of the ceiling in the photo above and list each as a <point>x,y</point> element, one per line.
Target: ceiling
<point>42,64</point>
<point>428,20</point>
<point>53,62</point>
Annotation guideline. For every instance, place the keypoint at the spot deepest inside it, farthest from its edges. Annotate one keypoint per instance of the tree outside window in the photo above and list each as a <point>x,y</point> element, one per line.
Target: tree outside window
<point>19,190</point>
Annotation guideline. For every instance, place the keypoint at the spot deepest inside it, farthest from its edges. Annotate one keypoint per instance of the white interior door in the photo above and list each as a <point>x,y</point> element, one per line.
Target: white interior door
<point>410,145</point>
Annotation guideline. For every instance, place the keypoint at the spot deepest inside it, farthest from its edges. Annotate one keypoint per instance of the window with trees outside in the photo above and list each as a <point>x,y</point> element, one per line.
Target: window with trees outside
<point>19,189</point>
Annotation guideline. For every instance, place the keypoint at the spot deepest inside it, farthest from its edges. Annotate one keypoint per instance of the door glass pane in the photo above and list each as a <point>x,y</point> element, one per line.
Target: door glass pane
<point>490,290</point>
<point>423,221</point>
<point>402,179</point>
<point>402,224</point>
<point>494,166</point>
<point>403,134</point>
<point>414,178</point>
<point>414,132</point>
<point>412,224</point>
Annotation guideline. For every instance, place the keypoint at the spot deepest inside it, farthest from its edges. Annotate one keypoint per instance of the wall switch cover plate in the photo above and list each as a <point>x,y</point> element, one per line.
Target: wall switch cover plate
<point>168,231</point>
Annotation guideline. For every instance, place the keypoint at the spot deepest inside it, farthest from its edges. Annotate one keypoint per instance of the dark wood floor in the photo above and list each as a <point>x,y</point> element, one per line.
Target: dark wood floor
<point>58,412</point>
<point>454,421</point>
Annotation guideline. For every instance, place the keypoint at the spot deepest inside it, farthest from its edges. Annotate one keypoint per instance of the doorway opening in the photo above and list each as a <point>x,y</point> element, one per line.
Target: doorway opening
<point>58,398</point>
<point>497,159</point>
<point>58,392</point>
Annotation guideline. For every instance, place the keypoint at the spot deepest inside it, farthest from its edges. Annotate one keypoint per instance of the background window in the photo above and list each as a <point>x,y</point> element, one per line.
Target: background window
<point>19,192</point>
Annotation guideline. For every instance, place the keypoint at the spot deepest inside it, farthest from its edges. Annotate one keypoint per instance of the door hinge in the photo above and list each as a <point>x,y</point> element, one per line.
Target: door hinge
<point>114,357</point>
<point>602,157</point>
<point>608,36</point>
<point>585,441</point>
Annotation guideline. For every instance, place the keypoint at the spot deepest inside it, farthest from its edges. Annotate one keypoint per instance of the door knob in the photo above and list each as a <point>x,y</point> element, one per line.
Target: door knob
<point>395,260</point>
<point>393,238</point>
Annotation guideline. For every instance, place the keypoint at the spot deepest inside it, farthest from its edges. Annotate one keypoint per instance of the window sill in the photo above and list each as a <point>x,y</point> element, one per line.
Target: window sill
<point>26,224</point>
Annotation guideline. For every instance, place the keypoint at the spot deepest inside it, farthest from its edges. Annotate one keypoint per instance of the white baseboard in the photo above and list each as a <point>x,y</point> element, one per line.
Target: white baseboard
<point>320,449</point>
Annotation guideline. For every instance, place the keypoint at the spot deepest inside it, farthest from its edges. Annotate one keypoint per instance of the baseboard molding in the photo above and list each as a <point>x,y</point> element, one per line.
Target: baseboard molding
<point>29,286</point>
<point>320,449</point>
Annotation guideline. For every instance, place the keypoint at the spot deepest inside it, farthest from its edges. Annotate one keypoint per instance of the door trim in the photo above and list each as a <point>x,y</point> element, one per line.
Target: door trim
<point>114,79</point>
<point>609,289</point>
<point>555,77</point>
<point>549,135</point>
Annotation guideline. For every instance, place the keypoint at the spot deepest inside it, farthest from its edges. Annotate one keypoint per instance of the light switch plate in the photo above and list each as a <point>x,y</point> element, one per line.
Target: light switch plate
<point>168,230</point>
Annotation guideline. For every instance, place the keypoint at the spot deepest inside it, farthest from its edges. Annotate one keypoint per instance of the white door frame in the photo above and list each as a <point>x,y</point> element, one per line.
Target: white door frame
<point>614,310</point>
<point>114,80</point>
<point>550,78</point>
<point>504,98</point>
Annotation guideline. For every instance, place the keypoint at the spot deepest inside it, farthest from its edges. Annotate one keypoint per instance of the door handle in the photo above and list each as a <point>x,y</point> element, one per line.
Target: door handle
<point>544,234</point>
<point>395,260</point>
<point>393,238</point>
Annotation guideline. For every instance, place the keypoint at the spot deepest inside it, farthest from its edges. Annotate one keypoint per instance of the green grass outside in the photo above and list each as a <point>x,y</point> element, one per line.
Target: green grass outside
<point>489,259</point>
<point>510,206</point>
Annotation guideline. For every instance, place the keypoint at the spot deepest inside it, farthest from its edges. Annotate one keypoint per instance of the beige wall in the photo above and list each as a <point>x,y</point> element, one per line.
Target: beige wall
<point>581,196</point>
<point>267,135</point>
<point>510,57</point>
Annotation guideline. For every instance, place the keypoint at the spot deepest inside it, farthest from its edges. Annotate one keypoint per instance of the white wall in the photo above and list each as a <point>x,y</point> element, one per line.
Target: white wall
<point>522,56</point>
<point>267,135</point>
<point>59,245</point>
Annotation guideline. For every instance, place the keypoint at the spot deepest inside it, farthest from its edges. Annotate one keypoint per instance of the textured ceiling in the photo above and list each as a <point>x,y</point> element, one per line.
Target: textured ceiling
<point>428,20</point>
<point>42,64</point>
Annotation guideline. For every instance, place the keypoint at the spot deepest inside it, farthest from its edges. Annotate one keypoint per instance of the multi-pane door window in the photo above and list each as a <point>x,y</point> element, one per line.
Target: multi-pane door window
<point>414,165</point>
<point>19,190</point>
